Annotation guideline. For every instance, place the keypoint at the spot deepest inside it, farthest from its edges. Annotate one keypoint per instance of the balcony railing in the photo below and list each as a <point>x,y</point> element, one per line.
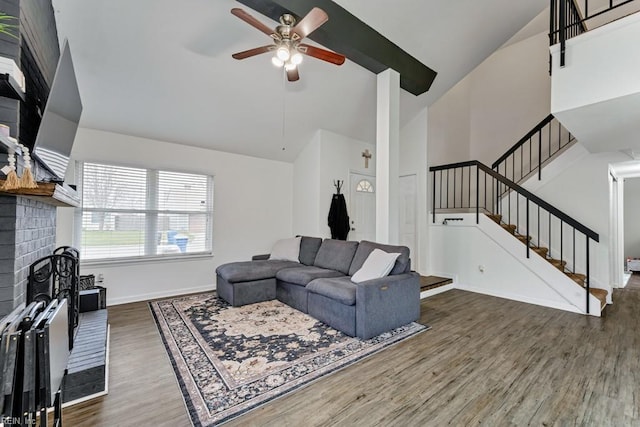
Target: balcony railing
<point>569,18</point>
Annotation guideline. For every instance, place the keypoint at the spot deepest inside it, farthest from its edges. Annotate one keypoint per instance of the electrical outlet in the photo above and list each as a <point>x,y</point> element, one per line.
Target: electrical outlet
<point>100,278</point>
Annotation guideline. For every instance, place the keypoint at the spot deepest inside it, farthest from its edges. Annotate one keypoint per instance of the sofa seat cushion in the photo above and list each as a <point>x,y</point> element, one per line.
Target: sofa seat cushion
<point>340,289</point>
<point>245,271</point>
<point>303,275</point>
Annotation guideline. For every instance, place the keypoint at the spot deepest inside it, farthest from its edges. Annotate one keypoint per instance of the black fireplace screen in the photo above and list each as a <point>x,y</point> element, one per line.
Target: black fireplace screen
<point>57,276</point>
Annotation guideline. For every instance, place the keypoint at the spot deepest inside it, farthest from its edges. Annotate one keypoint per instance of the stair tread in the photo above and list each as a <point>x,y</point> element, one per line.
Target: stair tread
<point>601,295</point>
<point>577,276</point>
<point>578,280</point>
<point>511,228</point>
<point>495,218</point>
<point>598,291</point>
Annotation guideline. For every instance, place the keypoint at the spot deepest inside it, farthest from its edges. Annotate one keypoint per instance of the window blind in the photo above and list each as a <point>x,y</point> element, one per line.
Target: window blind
<point>143,213</point>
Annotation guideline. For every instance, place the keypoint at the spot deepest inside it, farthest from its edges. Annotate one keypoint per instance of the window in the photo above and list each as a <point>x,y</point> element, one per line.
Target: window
<point>364,186</point>
<point>143,213</point>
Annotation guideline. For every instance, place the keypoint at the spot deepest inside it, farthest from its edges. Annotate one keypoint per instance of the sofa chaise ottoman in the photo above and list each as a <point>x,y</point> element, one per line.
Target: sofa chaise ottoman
<point>248,282</point>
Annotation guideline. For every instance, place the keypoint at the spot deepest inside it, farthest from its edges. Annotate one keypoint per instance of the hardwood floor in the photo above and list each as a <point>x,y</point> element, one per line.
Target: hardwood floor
<point>634,281</point>
<point>485,361</point>
<point>142,387</point>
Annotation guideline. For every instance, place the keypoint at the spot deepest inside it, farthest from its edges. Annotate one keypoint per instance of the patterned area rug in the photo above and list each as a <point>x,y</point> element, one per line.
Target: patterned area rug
<point>229,360</point>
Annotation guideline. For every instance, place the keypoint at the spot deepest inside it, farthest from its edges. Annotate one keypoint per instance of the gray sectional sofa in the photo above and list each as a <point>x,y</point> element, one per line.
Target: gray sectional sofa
<point>320,285</point>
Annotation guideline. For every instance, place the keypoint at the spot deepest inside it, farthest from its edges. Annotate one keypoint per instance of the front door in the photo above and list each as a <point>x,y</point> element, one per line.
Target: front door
<point>362,207</point>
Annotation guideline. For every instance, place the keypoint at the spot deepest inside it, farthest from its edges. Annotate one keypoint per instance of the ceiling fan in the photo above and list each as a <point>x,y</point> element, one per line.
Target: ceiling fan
<point>287,36</point>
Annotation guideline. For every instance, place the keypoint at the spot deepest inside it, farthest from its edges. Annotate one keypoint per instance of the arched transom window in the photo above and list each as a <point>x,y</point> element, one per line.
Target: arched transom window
<point>364,186</point>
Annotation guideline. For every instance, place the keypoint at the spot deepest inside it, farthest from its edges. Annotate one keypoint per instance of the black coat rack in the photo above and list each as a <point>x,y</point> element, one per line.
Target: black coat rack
<point>338,184</point>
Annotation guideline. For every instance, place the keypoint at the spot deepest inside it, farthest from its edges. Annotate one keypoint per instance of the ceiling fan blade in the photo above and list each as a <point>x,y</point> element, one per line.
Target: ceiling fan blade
<point>325,55</point>
<point>315,18</point>
<point>254,22</point>
<point>293,75</point>
<point>253,52</point>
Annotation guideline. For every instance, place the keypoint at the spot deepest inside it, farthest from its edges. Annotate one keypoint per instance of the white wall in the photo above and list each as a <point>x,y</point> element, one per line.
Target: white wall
<point>328,157</point>
<point>596,95</point>
<point>492,107</point>
<point>253,205</point>
<point>600,65</point>
<point>306,186</point>
<point>632,217</point>
<point>510,93</point>
<point>413,160</point>
<point>448,126</point>
<point>340,155</point>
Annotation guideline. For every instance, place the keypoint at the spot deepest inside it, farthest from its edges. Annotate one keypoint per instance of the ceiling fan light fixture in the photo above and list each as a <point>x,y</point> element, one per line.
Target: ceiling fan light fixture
<point>283,53</point>
<point>296,58</point>
<point>287,48</point>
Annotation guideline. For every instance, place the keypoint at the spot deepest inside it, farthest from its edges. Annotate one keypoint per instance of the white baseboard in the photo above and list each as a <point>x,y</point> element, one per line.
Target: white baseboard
<point>155,295</point>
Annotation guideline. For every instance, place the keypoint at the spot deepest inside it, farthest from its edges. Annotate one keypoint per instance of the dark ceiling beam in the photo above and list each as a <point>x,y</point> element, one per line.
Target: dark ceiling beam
<point>346,34</point>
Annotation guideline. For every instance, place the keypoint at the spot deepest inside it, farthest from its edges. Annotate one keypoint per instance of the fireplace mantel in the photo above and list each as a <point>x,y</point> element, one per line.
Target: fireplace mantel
<point>47,192</point>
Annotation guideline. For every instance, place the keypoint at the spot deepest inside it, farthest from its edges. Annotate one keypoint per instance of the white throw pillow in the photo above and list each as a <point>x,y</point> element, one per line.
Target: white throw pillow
<point>286,249</point>
<point>378,264</point>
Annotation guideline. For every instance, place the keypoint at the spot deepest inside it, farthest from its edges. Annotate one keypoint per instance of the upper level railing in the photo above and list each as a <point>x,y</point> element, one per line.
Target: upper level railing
<point>474,186</point>
<point>568,18</point>
<point>535,148</point>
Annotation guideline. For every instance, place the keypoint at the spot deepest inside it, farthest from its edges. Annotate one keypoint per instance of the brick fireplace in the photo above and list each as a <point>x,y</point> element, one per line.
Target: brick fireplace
<point>27,233</point>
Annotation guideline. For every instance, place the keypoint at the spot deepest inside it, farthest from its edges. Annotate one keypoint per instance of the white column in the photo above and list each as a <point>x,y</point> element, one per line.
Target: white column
<point>387,156</point>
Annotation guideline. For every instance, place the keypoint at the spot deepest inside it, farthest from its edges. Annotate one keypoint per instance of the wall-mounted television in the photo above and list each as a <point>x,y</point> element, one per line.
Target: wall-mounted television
<point>60,119</point>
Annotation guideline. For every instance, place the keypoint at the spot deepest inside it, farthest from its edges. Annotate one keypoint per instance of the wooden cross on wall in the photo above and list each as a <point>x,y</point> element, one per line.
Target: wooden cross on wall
<point>367,155</point>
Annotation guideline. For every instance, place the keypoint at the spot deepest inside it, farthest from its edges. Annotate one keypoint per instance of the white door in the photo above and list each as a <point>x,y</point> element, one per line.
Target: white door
<point>362,207</point>
<point>407,215</point>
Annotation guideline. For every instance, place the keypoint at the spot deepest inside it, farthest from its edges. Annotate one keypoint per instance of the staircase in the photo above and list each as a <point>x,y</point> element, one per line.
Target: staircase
<point>547,233</point>
<point>474,187</point>
<point>579,278</point>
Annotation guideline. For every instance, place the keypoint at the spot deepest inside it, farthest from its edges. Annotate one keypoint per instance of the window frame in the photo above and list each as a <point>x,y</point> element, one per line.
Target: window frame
<point>150,226</point>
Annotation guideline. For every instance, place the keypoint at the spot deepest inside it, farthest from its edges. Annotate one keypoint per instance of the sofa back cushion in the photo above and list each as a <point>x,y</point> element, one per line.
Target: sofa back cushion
<point>402,265</point>
<point>336,255</point>
<point>309,249</point>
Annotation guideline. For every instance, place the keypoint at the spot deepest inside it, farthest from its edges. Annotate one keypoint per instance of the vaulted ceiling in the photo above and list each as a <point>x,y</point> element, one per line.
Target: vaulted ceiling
<point>162,69</point>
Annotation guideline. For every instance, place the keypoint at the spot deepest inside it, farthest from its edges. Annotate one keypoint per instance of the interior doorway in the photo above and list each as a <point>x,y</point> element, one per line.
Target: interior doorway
<point>618,173</point>
<point>362,207</point>
<point>407,214</point>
